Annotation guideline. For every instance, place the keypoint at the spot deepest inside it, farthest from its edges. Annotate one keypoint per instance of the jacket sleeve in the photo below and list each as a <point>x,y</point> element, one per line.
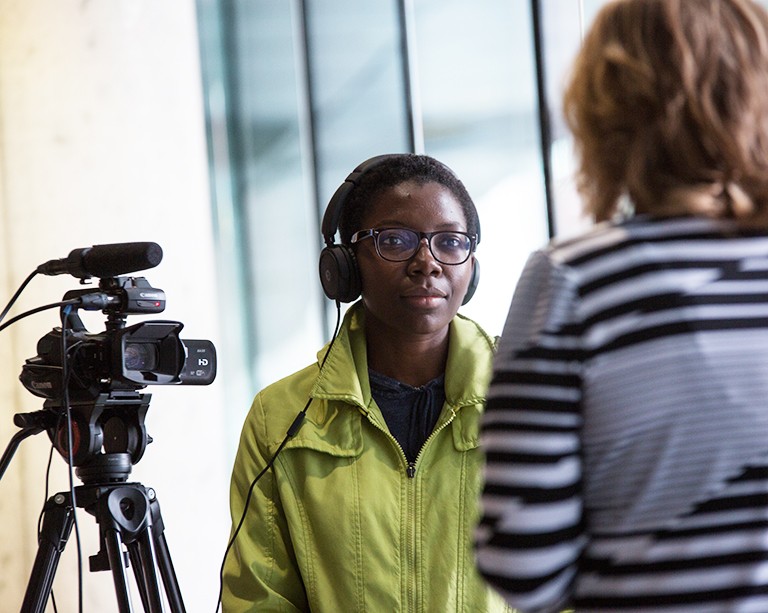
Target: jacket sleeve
<point>260,570</point>
<point>530,536</point>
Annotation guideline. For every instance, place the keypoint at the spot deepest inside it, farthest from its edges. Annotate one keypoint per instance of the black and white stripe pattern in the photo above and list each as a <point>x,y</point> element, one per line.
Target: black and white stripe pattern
<point>626,431</point>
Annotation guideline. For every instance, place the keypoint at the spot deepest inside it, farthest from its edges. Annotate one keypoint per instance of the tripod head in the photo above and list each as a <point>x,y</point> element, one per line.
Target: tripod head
<point>108,434</point>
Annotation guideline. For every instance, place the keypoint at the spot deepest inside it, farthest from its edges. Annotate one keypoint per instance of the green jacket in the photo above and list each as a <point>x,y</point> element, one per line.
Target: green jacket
<point>341,523</point>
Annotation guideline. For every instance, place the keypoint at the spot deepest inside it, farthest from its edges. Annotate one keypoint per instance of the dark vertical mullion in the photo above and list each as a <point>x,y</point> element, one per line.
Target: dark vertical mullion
<point>237,158</point>
<point>409,65</point>
<point>545,126</point>
<point>305,57</point>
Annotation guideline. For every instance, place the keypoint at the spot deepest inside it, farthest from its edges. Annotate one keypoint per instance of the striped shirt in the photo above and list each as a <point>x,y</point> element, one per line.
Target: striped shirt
<point>626,430</point>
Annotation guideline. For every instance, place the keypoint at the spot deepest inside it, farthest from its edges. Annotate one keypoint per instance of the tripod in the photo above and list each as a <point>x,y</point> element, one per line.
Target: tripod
<point>128,514</point>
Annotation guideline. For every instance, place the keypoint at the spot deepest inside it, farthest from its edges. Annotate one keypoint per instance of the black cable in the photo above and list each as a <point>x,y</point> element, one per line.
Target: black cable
<point>63,303</point>
<point>292,430</point>
<point>47,488</point>
<point>45,500</point>
<point>17,294</point>
<point>70,460</point>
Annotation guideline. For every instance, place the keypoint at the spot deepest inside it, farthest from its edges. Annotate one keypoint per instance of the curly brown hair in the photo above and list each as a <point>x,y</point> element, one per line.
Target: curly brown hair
<point>668,105</point>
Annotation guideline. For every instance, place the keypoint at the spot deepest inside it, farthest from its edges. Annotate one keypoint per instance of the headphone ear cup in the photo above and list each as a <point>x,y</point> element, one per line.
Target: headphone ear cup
<point>474,280</point>
<point>339,274</point>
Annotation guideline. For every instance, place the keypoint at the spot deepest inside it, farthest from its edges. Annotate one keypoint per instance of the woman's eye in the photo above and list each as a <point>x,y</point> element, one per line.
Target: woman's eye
<point>451,241</point>
<point>394,239</point>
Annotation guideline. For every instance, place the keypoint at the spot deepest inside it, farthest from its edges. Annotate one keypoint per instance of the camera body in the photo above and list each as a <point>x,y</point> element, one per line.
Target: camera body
<point>147,353</point>
<point>120,358</point>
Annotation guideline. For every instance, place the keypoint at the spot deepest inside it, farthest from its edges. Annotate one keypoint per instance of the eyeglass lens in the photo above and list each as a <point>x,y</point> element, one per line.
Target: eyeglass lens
<point>399,244</point>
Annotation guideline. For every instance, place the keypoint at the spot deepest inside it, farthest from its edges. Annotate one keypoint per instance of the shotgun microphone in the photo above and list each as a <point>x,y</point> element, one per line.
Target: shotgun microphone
<point>105,260</point>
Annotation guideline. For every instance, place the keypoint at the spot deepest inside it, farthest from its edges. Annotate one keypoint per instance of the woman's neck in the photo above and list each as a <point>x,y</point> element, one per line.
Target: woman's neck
<point>415,360</point>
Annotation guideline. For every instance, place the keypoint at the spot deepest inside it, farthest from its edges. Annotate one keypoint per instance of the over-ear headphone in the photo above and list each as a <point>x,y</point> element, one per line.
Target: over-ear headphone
<point>339,272</point>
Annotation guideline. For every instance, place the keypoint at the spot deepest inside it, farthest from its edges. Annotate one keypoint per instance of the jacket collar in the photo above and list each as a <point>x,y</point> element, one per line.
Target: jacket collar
<point>343,383</point>
<point>467,370</point>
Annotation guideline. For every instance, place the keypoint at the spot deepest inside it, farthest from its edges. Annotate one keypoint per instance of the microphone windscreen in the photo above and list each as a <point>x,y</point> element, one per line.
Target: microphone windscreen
<point>120,258</point>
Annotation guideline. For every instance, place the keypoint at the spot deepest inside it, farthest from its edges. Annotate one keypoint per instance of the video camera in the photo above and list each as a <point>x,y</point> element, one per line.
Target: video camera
<point>120,358</point>
<point>93,379</point>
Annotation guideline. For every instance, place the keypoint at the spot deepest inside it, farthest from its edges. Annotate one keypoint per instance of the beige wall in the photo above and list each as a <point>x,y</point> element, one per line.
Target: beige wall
<point>102,140</point>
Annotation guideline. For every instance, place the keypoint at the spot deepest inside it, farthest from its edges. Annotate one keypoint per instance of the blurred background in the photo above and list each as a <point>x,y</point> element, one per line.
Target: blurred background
<point>219,129</point>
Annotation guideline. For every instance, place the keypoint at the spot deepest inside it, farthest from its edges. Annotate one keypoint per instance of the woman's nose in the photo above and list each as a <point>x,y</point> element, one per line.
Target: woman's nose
<point>424,258</point>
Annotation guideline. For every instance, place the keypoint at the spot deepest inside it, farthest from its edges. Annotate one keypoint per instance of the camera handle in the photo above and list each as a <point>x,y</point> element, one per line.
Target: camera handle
<point>30,424</point>
<point>128,514</point>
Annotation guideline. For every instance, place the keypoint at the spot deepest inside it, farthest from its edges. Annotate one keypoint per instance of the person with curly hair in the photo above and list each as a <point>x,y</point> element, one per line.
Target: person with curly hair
<point>626,430</point>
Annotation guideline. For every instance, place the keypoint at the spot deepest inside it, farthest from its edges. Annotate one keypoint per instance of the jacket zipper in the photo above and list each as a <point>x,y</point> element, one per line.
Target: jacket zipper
<point>410,467</point>
<point>410,470</point>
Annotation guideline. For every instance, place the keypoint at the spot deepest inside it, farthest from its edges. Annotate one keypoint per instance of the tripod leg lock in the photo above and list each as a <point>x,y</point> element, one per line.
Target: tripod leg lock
<point>58,517</point>
<point>128,507</point>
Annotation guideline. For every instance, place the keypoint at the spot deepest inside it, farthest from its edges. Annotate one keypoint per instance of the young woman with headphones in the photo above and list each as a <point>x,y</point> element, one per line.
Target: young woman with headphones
<point>371,502</point>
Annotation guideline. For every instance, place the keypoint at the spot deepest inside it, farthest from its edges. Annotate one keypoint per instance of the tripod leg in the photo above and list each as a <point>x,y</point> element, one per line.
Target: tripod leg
<point>113,544</point>
<point>169,575</point>
<point>165,564</point>
<point>144,561</point>
<point>141,583</point>
<point>148,552</point>
<point>58,518</point>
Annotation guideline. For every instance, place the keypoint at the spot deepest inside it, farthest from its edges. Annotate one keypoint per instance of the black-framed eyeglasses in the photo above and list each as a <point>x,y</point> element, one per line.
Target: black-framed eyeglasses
<point>400,244</point>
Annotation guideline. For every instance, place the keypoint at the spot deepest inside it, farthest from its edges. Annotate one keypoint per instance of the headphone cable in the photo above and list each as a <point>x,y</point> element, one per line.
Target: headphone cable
<point>292,430</point>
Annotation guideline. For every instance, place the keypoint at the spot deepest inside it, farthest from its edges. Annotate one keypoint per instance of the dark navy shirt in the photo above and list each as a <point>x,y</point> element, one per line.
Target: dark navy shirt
<point>410,412</point>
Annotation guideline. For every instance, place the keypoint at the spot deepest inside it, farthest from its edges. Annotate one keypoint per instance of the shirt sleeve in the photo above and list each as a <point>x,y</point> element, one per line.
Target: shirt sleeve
<point>260,572</point>
<point>531,532</point>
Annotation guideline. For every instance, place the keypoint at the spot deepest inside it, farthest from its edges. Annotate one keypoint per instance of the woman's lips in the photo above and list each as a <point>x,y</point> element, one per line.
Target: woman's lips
<point>425,297</point>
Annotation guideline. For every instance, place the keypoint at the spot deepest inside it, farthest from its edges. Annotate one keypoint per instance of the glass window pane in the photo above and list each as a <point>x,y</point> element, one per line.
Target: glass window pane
<point>477,87</point>
<point>277,205</point>
<point>358,99</point>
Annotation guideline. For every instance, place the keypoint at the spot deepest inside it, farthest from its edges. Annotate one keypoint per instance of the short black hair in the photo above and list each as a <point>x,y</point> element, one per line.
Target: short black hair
<point>392,171</point>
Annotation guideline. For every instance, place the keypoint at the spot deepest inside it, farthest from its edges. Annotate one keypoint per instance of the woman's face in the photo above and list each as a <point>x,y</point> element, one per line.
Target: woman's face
<point>421,295</point>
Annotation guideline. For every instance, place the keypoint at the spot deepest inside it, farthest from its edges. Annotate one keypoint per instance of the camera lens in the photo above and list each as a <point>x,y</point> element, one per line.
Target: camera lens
<point>140,356</point>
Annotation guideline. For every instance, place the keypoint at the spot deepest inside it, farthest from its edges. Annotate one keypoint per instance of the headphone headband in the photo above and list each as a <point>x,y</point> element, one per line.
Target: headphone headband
<point>335,206</point>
